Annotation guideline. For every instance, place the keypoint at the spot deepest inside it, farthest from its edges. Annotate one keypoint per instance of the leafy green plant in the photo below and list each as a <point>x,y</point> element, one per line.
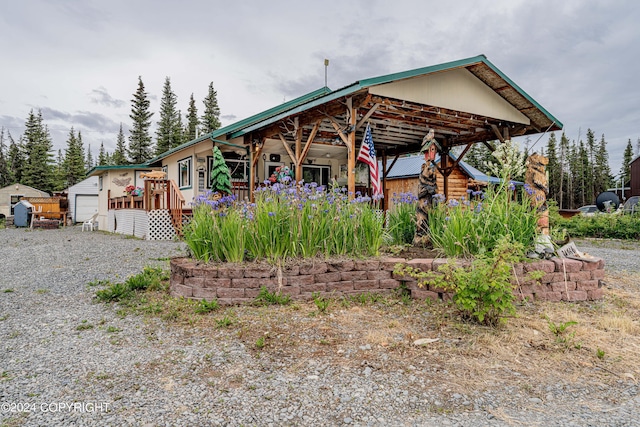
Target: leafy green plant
<point>8,290</point>
<point>95,283</point>
<point>113,293</point>
<point>266,297</point>
<point>600,354</point>
<point>84,325</point>
<point>322,303</point>
<point>204,307</point>
<point>261,342</point>
<point>225,322</point>
<point>151,278</point>
<point>560,331</point>
<point>401,219</point>
<point>482,292</point>
<point>113,329</point>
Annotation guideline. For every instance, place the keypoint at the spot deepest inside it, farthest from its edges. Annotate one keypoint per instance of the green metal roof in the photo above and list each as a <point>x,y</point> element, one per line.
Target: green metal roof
<point>325,95</point>
<point>229,129</point>
<point>110,167</point>
<point>374,81</point>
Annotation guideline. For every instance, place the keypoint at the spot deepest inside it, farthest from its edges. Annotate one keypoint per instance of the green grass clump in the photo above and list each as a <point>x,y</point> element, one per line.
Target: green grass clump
<point>151,278</point>
<point>265,297</point>
<point>205,307</point>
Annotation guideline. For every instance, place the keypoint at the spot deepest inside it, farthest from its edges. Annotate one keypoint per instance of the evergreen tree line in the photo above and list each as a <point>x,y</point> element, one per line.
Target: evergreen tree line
<point>577,171</point>
<point>31,161</point>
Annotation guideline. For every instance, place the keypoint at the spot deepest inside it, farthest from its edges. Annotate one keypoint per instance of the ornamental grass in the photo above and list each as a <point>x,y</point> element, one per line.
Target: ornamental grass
<point>287,220</point>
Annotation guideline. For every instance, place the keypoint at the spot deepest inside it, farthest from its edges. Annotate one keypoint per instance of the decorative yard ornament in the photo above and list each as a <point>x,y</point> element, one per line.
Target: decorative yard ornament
<point>282,174</point>
<point>220,175</point>
<point>537,188</point>
<point>430,146</point>
<point>427,187</point>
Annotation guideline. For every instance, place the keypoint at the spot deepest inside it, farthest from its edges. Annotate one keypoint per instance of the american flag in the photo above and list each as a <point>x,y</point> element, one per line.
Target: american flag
<point>367,155</point>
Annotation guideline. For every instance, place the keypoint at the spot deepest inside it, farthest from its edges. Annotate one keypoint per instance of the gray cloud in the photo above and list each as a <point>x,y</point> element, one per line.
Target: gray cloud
<point>101,96</point>
<point>81,120</point>
<point>576,58</point>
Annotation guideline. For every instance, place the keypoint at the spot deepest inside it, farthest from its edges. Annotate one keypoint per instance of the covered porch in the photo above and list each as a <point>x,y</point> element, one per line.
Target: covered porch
<point>465,102</point>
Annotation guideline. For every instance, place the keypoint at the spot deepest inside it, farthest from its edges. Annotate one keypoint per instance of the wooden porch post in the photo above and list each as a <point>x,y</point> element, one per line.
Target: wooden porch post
<point>351,156</point>
<point>254,152</point>
<point>385,202</point>
<point>297,159</point>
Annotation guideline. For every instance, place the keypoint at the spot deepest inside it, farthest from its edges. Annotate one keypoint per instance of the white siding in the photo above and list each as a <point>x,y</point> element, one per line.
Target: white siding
<point>88,187</point>
<point>453,89</point>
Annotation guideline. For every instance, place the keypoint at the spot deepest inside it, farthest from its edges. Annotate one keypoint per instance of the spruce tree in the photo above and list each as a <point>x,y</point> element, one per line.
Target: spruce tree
<point>178,132</point>
<point>16,159</point>
<point>140,144</point>
<point>590,182</point>
<point>601,169</point>
<point>74,161</point>
<point>6,177</point>
<point>103,157</point>
<point>38,167</point>
<point>565,174</point>
<point>554,169</point>
<point>60,176</point>
<point>89,162</point>
<point>220,175</point>
<point>625,170</point>
<point>191,132</point>
<point>169,133</point>
<point>211,117</point>
<point>119,156</point>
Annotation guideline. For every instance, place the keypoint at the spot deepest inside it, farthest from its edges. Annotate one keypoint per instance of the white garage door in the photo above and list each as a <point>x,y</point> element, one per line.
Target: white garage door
<point>85,207</point>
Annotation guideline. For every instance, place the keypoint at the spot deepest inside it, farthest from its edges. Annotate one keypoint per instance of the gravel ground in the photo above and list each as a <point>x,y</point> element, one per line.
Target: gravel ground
<point>67,361</point>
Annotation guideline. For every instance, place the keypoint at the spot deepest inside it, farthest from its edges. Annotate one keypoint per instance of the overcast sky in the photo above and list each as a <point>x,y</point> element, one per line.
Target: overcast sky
<point>79,61</point>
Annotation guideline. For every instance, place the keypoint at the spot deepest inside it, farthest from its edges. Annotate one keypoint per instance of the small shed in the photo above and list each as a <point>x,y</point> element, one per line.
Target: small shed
<point>22,213</point>
<point>83,199</point>
<point>12,194</point>
<point>402,177</point>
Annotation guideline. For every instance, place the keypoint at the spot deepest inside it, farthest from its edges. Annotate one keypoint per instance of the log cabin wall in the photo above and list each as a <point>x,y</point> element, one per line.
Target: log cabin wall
<point>458,184</point>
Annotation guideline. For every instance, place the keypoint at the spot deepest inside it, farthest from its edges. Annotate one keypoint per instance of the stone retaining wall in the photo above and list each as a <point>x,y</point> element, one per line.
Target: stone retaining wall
<point>564,279</point>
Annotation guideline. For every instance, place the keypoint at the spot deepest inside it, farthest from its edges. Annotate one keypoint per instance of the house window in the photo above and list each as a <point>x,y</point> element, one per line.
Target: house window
<point>318,174</point>
<point>238,168</point>
<point>184,173</point>
<point>165,169</point>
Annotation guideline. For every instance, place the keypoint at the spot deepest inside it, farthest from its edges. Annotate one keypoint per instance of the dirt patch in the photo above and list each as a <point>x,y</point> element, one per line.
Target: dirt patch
<point>544,344</point>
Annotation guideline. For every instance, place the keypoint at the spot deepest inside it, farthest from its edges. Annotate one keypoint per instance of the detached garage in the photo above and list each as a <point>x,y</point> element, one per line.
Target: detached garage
<point>83,199</point>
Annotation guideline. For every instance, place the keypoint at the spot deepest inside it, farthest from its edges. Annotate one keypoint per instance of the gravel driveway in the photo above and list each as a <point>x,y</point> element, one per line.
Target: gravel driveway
<point>65,360</point>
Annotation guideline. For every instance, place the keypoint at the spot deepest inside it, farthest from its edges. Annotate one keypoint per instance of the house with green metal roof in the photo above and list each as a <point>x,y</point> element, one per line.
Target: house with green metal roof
<point>318,135</point>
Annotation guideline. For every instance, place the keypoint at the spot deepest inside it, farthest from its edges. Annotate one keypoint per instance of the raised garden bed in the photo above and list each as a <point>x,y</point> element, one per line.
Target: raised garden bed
<point>564,279</point>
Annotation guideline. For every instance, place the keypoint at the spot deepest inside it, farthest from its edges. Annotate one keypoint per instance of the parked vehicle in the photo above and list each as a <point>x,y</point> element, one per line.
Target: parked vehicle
<point>632,205</point>
<point>588,210</point>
